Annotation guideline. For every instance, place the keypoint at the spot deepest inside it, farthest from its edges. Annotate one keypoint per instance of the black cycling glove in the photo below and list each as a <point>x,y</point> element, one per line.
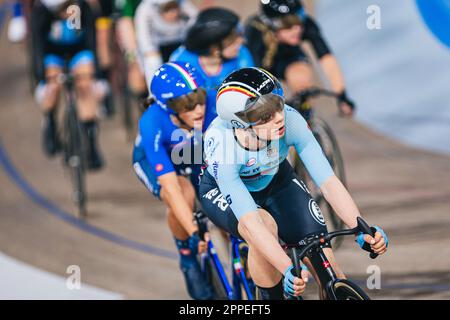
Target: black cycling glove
<point>343,98</point>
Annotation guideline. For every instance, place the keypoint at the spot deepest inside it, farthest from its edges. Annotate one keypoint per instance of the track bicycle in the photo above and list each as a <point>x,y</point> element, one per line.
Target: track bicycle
<point>74,144</point>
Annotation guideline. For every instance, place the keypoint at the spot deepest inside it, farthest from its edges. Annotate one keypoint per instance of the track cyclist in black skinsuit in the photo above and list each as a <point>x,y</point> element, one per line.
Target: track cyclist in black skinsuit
<point>250,190</point>
<point>274,38</point>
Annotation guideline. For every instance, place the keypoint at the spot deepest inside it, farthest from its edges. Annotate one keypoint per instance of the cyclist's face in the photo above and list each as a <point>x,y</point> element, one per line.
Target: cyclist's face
<point>232,45</point>
<point>195,118</point>
<point>274,129</point>
<point>171,16</point>
<point>291,36</point>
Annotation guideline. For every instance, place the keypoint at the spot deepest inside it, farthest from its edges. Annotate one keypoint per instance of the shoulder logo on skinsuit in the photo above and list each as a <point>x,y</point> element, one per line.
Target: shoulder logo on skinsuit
<point>210,147</point>
<point>210,143</point>
<point>316,213</point>
<point>215,167</point>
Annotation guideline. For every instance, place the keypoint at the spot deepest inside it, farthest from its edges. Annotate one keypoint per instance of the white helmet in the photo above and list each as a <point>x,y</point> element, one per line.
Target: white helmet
<point>54,5</point>
<point>249,96</point>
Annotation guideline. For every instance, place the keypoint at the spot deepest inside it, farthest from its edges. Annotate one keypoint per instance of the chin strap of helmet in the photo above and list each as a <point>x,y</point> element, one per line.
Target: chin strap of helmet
<point>267,142</point>
<point>183,123</point>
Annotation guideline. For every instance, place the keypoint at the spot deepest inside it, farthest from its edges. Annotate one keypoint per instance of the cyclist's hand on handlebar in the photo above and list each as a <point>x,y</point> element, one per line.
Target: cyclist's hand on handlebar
<point>346,105</point>
<point>196,244</point>
<point>293,285</point>
<point>377,244</point>
<point>203,245</point>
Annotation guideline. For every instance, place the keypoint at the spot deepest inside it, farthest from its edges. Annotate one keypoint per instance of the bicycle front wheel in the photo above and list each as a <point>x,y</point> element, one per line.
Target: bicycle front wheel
<point>345,290</point>
<point>214,278</point>
<point>75,161</point>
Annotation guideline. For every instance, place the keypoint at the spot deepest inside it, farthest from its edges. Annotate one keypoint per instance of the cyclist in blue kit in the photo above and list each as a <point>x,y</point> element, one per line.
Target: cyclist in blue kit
<point>215,46</point>
<point>250,190</point>
<point>58,45</point>
<point>169,147</point>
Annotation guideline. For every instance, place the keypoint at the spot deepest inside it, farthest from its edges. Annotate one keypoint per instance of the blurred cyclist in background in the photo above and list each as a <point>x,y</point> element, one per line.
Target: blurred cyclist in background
<point>57,44</point>
<point>127,40</point>
<point>104,10</point>
<point>215,46</point>
<point>275,36</point>
<point>170,131</point>
<point>161,27</point>
<point>17,27</point>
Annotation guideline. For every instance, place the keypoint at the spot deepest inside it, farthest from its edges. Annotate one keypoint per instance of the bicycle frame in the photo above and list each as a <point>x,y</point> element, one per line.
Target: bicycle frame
<point>320,262</point>
<point>313,250</point>
<point>239,280</point>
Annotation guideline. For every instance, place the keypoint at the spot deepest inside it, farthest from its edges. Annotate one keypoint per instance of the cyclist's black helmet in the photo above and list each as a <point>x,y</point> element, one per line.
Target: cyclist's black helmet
<point>280,8</point>
<point>211,27</point>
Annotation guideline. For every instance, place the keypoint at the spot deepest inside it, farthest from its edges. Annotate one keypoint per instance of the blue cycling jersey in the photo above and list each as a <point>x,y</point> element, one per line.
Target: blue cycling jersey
<point>239,171</point>
<point>162,142</point>
<point>62,34</point>
<point>213,81</point>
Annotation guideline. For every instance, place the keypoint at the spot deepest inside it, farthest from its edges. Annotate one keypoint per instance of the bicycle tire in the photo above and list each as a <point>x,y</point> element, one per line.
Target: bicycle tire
<point>215,281</point>
<point>75,161</point>
<point>338,163</point>
<point>343,289</point>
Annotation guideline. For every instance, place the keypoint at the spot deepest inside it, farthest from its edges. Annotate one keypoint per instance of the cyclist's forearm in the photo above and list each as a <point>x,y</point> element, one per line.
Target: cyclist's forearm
<point>173,196</point>
<point>127,35</point>
<point>259,237</point>
<point>333,72</point>
<point>338,197</point>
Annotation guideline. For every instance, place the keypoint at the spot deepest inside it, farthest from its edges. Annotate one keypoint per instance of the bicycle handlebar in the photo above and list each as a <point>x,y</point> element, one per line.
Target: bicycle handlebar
<point>304,95</point>
<point>362,227</point>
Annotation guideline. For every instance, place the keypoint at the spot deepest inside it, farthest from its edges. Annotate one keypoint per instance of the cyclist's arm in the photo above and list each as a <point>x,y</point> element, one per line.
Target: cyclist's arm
<point>143,21</point>
<point>253,228</point>
<point>174,198</point>
<point>319,168</point>
<point>326,58</point>
<point>313,34</point>
<point>339,198</point>
<point>299,135</point>
<point>127,35</point>
<point>159,160</point>
<point>333,72</point>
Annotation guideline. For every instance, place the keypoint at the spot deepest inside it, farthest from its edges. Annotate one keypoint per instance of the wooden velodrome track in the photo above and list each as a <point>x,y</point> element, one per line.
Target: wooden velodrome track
<point>126,247</point>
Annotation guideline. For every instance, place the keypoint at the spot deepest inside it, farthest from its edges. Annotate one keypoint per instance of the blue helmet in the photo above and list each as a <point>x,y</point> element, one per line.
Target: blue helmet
<point>173,80</point>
